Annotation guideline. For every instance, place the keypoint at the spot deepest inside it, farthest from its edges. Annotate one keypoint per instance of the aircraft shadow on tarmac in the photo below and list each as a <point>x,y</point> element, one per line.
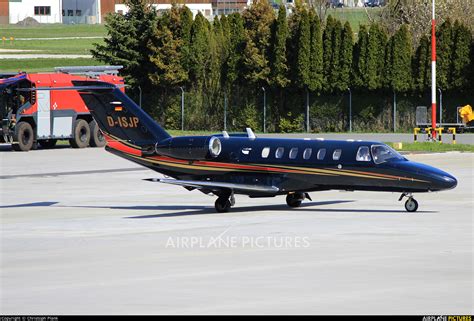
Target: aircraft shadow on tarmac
<point>207,210</point>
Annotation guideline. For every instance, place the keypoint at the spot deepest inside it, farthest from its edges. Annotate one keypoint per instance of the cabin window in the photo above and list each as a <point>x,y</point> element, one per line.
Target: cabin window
<point>265,152</point>
<point>363,154</point>
<point>279,152</point>
<point>293,153</point>
<point>307,153</point>
<point>336,154</point>
<point>321,153</point>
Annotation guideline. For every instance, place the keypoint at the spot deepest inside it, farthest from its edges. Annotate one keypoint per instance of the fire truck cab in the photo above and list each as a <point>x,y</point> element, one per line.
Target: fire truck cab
<point>33,113</point>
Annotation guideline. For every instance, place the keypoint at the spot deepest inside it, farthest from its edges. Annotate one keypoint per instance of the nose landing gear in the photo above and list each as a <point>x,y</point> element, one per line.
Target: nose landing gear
<point>411,205</point>
<point>295,199</point>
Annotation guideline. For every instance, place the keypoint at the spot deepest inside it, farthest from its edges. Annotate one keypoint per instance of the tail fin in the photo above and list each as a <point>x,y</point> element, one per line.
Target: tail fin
<point>117,115</point>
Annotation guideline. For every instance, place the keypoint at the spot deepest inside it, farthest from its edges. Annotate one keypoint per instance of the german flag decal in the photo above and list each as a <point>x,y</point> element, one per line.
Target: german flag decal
<point>118,108</point>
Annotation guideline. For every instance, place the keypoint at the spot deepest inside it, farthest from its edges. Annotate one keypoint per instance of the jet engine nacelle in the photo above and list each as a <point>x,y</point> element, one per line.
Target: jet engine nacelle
<point>190,147</point>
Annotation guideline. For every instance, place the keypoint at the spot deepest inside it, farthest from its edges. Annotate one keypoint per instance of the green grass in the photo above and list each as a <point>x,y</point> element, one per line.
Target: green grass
<point>435,147</point>
<point>63,46</point>
<point>52,31</point>
<point>39,65</point>
<point>355,16</point>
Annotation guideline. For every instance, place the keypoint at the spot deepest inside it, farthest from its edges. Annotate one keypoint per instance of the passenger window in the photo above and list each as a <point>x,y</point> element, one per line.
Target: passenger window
<point>363,154</point>
<point>336,154</point>
<point>265,152</point>
<point>293,153</point>
<point>321,153</point>
<point>307,153</point>
<point>279,152</point>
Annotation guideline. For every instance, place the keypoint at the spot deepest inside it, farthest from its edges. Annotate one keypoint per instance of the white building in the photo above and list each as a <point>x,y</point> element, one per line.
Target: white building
<point>43,11</point>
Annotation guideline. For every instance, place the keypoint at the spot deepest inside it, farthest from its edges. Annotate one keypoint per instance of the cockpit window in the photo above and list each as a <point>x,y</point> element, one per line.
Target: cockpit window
<point>383,153</point>
<point>363,154</point>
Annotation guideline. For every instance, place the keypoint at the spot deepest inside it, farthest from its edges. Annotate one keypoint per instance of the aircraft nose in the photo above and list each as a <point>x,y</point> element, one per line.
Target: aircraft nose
<point>449,182</point>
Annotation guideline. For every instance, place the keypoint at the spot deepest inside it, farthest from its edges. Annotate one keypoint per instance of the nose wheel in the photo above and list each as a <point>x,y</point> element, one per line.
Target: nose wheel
<point>411,205</point>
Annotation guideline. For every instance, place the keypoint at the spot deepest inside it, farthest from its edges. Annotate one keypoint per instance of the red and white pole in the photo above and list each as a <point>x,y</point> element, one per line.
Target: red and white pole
<point>433,72</point>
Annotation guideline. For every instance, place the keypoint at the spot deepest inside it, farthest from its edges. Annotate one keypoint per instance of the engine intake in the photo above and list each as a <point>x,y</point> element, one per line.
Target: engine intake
<point>190,147</point>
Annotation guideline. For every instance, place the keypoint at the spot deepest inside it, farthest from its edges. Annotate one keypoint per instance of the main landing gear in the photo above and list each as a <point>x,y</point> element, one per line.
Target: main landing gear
<point>224,203</point>
<point>411,205</point>
<point>295,199</point>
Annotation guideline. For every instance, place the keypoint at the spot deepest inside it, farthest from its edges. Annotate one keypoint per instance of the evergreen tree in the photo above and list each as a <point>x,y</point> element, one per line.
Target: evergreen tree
<point>258,20</point>
<point>461,56</point>
<point>316,63</point>
<point>402,58</point>
<point>345,63</point>
<point>233,66</point>
<point>388,65</point>
<point>279,61</point>
<point>444,51</point>
<point>200,55</point>
<point>421,65</point>
<point>327,49</point>
<point>127,40</point>
<point>335,68</point>
<point>303,52</point>
<point>375,54</point>
<point>360,58</point>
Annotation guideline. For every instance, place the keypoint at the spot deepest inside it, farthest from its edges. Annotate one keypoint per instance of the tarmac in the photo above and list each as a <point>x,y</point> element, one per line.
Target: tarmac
<point>82,233</point>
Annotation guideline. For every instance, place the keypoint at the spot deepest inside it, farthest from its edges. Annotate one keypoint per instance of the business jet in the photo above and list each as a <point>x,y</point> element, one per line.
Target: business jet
<point>225,165</point>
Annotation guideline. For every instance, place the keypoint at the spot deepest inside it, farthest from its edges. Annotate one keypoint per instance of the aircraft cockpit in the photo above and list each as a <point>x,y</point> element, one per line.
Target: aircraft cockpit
<point>383,153</point>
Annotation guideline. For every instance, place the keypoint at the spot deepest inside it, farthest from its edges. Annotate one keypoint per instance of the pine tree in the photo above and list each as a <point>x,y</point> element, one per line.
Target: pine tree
<point>388,65</point>
<point>316,63</point>
<point>402,58</point>
<point>303,52</point>
<point>461,56</point>
<point>279,61</point>
<point>233,66</point>
<point>345,63</point>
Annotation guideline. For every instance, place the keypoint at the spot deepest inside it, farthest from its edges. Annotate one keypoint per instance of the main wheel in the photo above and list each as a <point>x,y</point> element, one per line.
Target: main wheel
<point>47,143</point>
<point>97,139</point>
<point>82,134</point>
<point>411,205</point>
<point>294,200</point>
<point>222,205</point>
<point>24,137</point>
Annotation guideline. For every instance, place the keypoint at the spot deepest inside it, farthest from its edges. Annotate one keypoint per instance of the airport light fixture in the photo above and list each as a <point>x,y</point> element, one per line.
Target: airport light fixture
<point>433,72</point>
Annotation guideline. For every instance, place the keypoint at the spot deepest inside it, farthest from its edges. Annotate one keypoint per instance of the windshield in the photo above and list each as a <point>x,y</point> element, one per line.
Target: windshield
<point>383,153</point>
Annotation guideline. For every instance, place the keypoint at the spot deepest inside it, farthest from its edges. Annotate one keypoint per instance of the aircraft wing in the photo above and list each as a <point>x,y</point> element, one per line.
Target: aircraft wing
<point>217,186</point>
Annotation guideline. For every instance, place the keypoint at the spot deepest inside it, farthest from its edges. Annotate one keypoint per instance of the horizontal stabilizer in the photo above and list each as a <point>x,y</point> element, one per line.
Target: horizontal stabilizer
<point>217,186</point>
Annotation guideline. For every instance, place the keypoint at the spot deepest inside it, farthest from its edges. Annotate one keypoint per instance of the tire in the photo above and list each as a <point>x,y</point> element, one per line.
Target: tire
<point>47,143</point>
<point>82,134</point>
<point>24,137</point>
<point>294,200</point>
<point>222,205</point>
<point>97,139</point>
<point>411,205</point>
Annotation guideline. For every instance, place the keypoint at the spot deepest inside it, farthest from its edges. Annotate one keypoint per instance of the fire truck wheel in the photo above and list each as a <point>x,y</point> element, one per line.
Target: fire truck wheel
<point>47,143</point>
<point>97,139</point>
<point>24,137</point>
<point>82,134</point>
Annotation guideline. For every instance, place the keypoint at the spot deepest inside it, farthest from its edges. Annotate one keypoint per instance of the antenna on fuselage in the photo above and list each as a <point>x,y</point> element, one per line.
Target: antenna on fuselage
<point>250,133</point>
<point>225,134</point>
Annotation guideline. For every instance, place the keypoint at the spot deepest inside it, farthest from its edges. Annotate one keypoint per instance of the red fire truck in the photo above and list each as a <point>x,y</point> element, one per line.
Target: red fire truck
<point>43,116</point>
